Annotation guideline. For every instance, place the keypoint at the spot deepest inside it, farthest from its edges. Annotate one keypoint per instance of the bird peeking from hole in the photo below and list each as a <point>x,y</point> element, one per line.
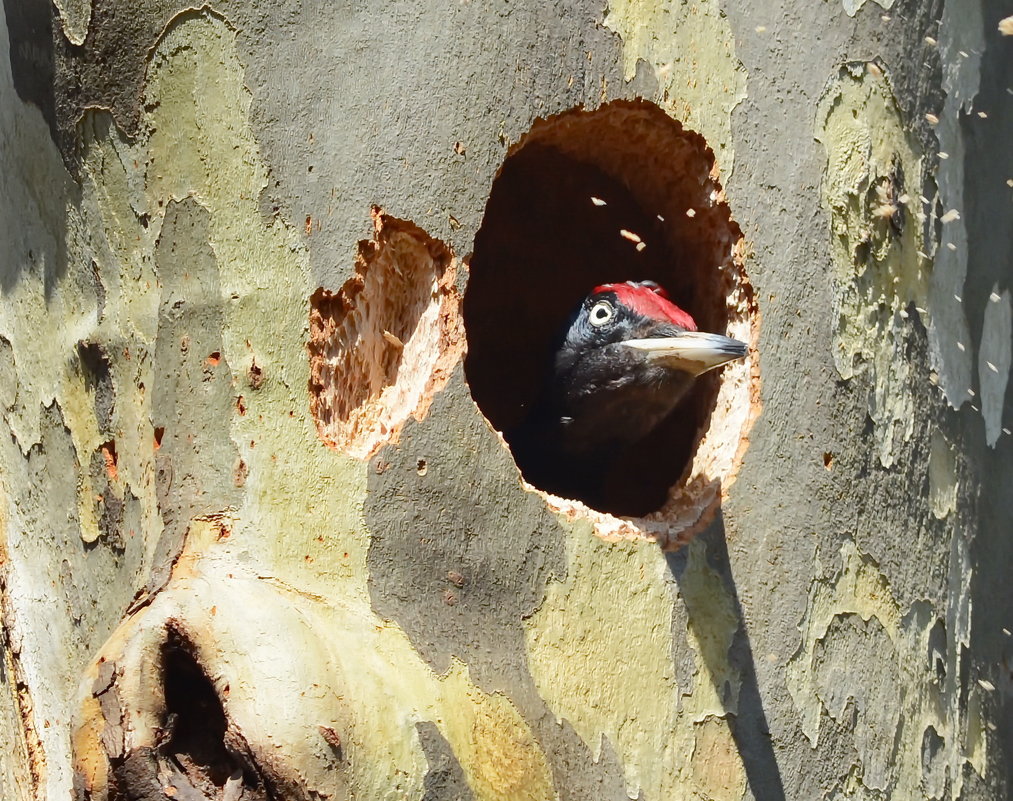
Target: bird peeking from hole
<point>626,358</point>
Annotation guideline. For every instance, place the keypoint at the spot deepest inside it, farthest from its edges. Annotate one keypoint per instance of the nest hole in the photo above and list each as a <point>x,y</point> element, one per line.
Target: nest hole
<point>385,343</point>
<point>591,197</point>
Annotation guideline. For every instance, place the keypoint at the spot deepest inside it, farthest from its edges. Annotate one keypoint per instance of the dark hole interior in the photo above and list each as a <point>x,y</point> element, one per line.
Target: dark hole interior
<point>194,713</point>
<point>195,726</point>
<point>543,245</point>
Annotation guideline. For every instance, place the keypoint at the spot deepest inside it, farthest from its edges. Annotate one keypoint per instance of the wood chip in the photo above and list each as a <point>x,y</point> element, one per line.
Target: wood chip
<point>393,340</point>
<point>641,246</point>
<point>930,41</point>
<point>983,115</point>
<point>932,118</point>
<point>629,235</point>
<point>597,201</point>
<point>986,685</point>
<point>233,789</point>
<point>1006,26</point>
<point>992,367</point>
<point>691,212</point>
<point>330,735</point>
<point>944,155</point>
<point>995,297</point>
<point>950,216</point>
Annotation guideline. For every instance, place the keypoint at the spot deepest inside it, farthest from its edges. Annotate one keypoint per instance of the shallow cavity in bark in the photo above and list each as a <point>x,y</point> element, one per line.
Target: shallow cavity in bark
<point>386,342</point>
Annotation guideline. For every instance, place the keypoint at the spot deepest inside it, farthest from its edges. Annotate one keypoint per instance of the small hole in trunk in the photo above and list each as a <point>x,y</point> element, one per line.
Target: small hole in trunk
<point>198,753</point>
<point>195,720</point>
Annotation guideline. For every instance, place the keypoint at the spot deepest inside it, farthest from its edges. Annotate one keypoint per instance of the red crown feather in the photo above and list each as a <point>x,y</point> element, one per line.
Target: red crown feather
<point>650,300</point>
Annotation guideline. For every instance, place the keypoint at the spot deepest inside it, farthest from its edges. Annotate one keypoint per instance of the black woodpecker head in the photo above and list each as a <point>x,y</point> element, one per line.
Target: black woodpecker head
<point>626,359</point>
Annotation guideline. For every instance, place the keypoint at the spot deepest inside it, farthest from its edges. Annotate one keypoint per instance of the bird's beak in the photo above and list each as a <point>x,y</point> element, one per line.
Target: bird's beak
<point>691,351</point>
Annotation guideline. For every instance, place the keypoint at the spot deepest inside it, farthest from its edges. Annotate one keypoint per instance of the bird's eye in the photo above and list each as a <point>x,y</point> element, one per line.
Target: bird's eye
<point>601,312</point>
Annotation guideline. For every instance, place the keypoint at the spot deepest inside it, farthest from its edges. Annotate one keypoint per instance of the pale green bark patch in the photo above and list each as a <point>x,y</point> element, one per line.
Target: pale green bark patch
<point>871,190</point>
<point>76,14</point>
<point>691,50</point>
<point>994,358</point>
<point>610,672</point>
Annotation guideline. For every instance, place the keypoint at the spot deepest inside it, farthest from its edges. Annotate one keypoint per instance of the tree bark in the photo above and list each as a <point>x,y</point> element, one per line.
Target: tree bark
<point>274,280</point>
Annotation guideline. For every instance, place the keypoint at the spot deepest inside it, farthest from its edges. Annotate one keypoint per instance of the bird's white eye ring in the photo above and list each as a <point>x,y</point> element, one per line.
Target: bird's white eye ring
<point>601,313</point>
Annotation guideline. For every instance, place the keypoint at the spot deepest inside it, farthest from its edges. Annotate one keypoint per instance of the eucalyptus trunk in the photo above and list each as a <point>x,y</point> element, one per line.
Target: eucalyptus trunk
<point>277,280</point>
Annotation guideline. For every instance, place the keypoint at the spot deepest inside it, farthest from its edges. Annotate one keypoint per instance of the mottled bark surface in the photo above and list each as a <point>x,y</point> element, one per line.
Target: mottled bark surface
<point>211,589</point>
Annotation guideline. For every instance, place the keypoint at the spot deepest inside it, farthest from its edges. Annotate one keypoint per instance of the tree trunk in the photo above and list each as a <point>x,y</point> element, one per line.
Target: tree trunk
<point>276,276</point>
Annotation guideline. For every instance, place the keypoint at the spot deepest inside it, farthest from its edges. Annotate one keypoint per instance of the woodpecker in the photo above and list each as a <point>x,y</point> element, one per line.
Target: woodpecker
<point>625,359</point>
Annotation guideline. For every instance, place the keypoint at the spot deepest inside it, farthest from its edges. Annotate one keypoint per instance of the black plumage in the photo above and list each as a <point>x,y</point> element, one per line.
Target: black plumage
<point>625,359</point>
